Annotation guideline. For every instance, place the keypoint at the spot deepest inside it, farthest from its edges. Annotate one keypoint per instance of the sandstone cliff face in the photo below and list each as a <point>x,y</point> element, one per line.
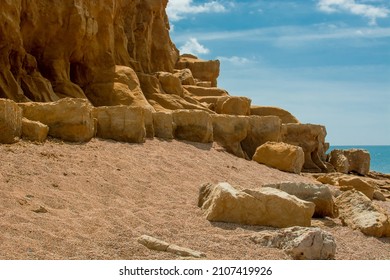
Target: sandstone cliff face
<point>70,48</point>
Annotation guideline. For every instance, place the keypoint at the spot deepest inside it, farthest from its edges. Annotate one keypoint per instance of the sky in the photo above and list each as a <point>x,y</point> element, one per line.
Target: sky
<point>325,61</point>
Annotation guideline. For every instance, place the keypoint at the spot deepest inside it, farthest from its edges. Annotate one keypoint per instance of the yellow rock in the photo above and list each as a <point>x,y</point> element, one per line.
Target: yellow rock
<point>10,122</point>
<point>34,131</point>
<point>281,156</point>
<point>285,116</point>
<point>193,125</point>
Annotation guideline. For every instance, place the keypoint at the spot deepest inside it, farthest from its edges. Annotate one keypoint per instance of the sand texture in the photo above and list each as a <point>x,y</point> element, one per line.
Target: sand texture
<point>94,200</point>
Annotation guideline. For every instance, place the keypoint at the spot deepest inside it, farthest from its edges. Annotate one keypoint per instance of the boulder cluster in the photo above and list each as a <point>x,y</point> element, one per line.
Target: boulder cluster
<point>109,69</point>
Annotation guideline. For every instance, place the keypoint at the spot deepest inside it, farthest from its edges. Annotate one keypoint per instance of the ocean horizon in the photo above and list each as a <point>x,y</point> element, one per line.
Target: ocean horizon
<point>380,155</point>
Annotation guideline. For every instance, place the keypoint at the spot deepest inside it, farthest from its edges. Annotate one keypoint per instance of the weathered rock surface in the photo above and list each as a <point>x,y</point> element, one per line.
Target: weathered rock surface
<point>163,125</point>
<point>299,242</point>
<point>121,123</point>
<point>34,131</point>
<point>10,122</point>
<point>312,140</point>
<point>83,40</point>
<point>353,160</point>
<point>358,212</point>
<point>185,76</point>
<point>233,105</point>
<point>264,206</point>
<point>319,194</point>
<point>285,116</point>
<point>201,70</point>
<point>68,119</point>
<point>206,91</point>
<point>170,83</point>
<point>358,184</point>
<point>159,245</point>
<point>193,125</point>
<point>349,182</point>
<point>229,131</point>
<point>282,156</point>
<point>260,131</point>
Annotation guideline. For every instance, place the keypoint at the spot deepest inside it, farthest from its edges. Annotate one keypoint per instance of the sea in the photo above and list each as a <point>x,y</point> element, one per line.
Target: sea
<point>380,156</point>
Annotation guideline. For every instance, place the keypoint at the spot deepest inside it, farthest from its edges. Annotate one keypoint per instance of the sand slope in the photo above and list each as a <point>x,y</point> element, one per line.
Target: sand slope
<point>102,195</point>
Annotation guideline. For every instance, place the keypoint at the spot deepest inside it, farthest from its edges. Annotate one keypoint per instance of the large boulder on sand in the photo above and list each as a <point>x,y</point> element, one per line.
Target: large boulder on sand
<point>358,184</point>
<point>69,119</point>
<point>163,125</point>
<point>260,131</point>
<point>319,194</point>
<point>10,121</point>
<point>312,140</point>
<point>285,116</point>
<point>193,125</point>
<point>282,156</point>
<point>121,123</point>
<point>299,242</point>
<point>229,131</point>
<point>34,131</point>
<point>264,206</point>
<point>353,160</point>
<point>358,212</point>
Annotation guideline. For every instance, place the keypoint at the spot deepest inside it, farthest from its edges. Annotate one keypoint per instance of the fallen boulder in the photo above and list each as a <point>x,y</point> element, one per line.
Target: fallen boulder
<point>229,131</point>
<point>357,211</point>
<point>312,140</point>
<point>358,184</point>
<point>193,125</point>
<point>260,131</point>
<point>69,119</point>
<point>282,156</point>
<point>120,123</point>
<point>10,121</point>
<point>264,206</point>
<point>163,125</point>
<point>319,194</point>
<point>233,105</point>
<point>299,242</point>
<point>34,131</point>
<point>352,160</point>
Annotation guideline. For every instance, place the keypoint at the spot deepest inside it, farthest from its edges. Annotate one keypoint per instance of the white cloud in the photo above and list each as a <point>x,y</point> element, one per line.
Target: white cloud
<point>192,46</point>
<point>177,9</point>
<point>236,60</point>
<point>351,6</point>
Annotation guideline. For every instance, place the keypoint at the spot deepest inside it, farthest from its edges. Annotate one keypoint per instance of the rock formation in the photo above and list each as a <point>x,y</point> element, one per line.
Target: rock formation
<point>358,212</point>
<point>265,206</point>
<point>299,242</point>
<point>353,160</point>
<point>320,195</point>
<point>281,156</point>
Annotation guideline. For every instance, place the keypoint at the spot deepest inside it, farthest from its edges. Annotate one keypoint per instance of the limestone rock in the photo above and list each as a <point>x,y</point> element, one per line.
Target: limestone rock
<point>339,161</point>
<point>193,125</point>
<point>229,131</point>
<point>353,160</point>
<point>10,122</point>
<point>201,70</point>
<point>358,184</point>
<point>319,194</point>
<point>159,245</point>
<point>83,40</point>
<point>281,156</point>
<point>378,195</point>
<point>312,140</point>
<point>265,206</point>
<point>285,116</point>
<point>233,105</point>
<point>299,242</point>
<point>67,119</point>
<point>163,125</point>
<point>358,212</point>
<point>170,83</point>
<point>206,91</point>
<point>185,76</point>
<point>359,161</point>
<point>121,123</point>
<point>260,131</point>
<point>34,131</point>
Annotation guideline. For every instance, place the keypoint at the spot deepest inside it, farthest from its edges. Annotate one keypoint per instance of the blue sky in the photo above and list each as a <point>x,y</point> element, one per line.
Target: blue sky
<point>326,61</point>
